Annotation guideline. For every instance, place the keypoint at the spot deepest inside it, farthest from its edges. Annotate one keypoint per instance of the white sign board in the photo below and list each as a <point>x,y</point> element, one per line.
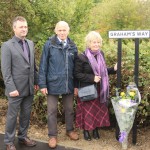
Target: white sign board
<point>129,34</point>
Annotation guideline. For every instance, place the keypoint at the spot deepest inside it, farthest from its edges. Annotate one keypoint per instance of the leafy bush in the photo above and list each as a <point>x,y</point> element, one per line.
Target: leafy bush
<point>110,50</point>
<point>39,111</point>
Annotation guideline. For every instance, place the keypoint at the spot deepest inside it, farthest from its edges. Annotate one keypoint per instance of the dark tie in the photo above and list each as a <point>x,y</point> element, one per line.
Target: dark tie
<point>63,43</point>
<point>25,51</point>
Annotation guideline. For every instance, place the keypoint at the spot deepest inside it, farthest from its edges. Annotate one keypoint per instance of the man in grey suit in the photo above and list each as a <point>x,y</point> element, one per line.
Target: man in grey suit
<point>19,74</point>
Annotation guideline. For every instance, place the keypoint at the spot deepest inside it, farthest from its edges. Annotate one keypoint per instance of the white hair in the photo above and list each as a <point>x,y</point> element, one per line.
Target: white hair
<point>62,23</point>
<point>91,36</point>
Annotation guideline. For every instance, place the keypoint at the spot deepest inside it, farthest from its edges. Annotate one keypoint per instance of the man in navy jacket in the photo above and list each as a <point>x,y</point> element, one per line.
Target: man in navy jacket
<point>56,78</point>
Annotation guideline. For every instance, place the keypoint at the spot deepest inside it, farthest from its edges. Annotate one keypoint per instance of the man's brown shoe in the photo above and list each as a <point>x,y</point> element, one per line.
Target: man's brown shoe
<point>52,142</point>
<point>73,135</point>
<point>27,142</point>
<point>10,147</point>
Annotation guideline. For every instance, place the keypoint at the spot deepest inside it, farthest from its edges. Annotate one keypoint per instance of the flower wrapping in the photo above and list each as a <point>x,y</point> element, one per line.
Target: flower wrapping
<point>125,108</point>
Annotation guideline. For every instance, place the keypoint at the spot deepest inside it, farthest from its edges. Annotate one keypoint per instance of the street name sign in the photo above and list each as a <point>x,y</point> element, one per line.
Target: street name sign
<point>129,34</point>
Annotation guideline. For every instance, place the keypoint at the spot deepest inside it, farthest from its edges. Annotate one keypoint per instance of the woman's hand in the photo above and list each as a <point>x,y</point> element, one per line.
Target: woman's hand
<point>97,79</point>
<point>116,67</point>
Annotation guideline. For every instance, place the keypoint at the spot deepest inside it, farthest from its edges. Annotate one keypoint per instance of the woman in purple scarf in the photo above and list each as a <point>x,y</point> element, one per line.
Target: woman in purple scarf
<point>90,68</point>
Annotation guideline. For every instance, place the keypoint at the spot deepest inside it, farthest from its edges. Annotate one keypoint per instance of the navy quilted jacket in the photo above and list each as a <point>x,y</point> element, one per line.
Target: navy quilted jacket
<point>57,66</point>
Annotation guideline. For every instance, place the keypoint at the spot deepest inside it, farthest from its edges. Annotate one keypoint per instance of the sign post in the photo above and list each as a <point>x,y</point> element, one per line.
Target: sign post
<point>132,34</point>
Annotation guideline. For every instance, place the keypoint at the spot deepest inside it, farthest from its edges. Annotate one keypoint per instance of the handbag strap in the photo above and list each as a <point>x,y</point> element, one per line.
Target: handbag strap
<point>91,84</point>
<point>90,65</point>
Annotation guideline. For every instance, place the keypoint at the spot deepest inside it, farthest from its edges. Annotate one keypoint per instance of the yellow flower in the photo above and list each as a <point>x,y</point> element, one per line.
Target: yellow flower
<point>123,110</point>
<point>122,94</point>
<point>132,94</point>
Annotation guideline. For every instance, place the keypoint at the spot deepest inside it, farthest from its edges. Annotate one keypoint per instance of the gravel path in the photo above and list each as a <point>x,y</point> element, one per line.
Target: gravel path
<point>107,139</point>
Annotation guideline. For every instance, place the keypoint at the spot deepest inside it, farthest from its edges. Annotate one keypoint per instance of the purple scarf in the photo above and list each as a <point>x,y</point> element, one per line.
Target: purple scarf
<point>99,68</point>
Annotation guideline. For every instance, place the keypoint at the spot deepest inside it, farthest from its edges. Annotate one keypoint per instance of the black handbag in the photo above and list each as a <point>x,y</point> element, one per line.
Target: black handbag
<point>87,93</point>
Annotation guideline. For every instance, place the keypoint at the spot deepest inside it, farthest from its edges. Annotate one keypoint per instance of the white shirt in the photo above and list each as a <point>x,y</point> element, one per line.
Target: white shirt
<point>63,41</point>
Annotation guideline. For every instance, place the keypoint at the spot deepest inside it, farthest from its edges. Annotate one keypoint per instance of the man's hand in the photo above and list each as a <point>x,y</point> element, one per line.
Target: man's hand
<point>44,91</point>
<point>14,93</point>
<point>75,92</point>
<point>36,87</point>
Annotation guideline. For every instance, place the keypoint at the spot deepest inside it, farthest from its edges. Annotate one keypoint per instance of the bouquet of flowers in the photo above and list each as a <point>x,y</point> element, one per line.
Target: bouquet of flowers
<point>125,106</point>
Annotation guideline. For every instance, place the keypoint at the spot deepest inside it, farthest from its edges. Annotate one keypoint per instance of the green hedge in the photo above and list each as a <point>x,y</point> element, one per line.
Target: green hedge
<point>110,50</point>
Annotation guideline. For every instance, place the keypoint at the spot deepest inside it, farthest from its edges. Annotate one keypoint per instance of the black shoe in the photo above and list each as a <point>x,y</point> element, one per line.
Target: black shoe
<point>96,134</point>
<point>86,135</point>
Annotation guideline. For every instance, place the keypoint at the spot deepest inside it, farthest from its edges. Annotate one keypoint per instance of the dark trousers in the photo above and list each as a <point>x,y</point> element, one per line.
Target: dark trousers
<point>21,105</point>
<point>52,102</point>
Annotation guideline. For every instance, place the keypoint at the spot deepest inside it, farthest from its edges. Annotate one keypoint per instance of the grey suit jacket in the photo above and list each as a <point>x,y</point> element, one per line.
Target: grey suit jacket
<point>18,73</point>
